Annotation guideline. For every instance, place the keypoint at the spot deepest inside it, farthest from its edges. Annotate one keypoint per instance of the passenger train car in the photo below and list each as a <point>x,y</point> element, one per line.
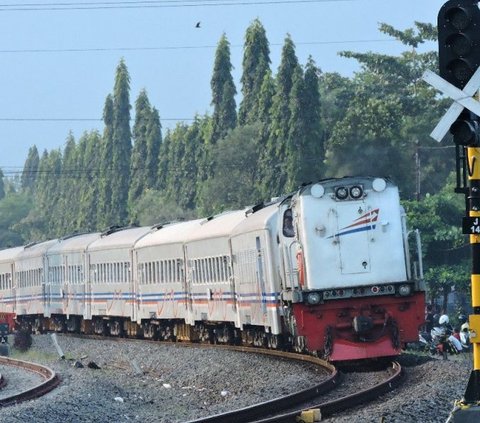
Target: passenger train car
<point>330,269</point>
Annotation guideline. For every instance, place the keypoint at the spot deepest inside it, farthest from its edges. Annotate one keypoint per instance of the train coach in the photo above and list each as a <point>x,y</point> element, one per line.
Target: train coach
<point>330,269</point>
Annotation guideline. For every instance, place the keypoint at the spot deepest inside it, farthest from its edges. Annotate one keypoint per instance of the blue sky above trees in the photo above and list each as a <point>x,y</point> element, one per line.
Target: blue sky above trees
<point>60,64</point>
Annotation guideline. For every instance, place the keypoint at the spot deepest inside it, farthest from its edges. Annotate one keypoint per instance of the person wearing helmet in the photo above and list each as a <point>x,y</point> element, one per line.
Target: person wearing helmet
<point>444,320</point>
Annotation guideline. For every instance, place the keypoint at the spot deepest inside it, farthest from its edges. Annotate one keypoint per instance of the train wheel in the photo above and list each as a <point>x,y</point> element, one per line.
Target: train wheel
<point>38,326</point>
<point>100,327</point>
<point>73,324</point>
<point>274,342</point>
<point>116,328</point>
<point>150,331</point>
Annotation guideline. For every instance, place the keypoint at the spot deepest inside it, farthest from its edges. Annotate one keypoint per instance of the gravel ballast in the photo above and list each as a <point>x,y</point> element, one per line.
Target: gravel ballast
<point>152,382</point>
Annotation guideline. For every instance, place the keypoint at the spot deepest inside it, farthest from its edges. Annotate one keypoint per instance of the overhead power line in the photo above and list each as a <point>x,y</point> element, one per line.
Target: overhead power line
<point>150,4</point>
<point>153,48</point>
<point>72,119</point>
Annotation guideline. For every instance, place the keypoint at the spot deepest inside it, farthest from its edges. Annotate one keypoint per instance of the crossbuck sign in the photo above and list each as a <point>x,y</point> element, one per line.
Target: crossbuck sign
<point>462,99</point>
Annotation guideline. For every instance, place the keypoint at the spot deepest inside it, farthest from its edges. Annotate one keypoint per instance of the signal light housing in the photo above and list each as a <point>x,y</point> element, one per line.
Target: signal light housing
<point>459,41</point>
<point>465,130</point>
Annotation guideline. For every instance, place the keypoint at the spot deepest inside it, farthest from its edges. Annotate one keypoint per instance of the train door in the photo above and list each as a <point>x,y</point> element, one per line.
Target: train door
<point>187,283</point>
<point>261,274</point>
<point>87,298</point>
<point>13,286</point>
<point>354,226</point>
<point>228,267</point>
<point>46,285</point>
<point>67,285</point>
<point>289,246</point>
<point>134,288</point>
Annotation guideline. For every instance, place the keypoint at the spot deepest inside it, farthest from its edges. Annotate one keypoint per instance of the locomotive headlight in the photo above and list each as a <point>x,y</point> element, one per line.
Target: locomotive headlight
<point>404,290</point>
<point>313,298</point>
<point>356,192</point>
<point>341,193</point>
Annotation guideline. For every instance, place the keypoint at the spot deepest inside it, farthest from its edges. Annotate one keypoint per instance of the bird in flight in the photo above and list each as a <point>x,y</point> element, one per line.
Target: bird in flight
<point>197,25</point>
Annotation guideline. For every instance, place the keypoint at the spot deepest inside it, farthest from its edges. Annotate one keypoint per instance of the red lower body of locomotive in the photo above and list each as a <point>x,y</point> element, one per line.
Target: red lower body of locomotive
<point>360,328</point>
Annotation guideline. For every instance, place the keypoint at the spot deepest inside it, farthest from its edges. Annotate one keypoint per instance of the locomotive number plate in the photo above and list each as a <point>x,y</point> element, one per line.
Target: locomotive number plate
<point>471,225</point>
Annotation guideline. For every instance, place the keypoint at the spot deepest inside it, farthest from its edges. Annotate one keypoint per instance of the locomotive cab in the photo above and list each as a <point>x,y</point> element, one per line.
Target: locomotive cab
<point>347,269</point>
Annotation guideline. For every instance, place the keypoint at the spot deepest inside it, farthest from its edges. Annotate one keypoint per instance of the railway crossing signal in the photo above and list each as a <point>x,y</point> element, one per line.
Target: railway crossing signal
<point>459,41</point>
<point>459,58</point>
<point>459,62</point>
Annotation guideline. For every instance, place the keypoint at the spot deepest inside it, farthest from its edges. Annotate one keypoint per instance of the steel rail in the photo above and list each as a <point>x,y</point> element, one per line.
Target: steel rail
<point>331,407</point>
<point>50,382</point>
<point>246,414</point>
<point>259,410</point>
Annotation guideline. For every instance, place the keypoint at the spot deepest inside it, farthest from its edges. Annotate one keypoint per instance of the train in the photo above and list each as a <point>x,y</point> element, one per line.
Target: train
<point>330,269</point>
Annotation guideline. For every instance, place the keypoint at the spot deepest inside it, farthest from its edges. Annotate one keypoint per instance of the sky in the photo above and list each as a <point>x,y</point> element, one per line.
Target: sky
<point>58,57</point>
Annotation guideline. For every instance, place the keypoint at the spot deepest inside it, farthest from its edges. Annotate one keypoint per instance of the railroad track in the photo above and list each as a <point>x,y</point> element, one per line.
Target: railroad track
<point>269,411</point>
<point>51,380</point>
<point>258,412</point>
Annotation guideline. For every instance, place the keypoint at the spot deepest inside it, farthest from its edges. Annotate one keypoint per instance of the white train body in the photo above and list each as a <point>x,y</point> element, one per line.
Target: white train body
<point>7,273</point>
<point>325,269</point>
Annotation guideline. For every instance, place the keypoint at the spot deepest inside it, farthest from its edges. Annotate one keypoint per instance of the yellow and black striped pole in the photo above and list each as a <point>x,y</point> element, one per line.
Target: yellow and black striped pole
<point>467,410</point>
<point>472,393</point>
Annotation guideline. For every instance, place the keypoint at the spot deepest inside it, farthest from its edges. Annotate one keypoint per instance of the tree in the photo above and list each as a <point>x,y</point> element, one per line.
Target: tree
<point>104,208</point>
<point>138,169</point>
<point>2,185</point>
<point>223,92</point>
<point>236,172</point>
<point>153,207</point>
<point>276,148</point>
<point>445,248</point>
<point>255,64</point>
<point>69,188</point>
<point>389,112</point>
<point>304,147</point>
<point>30,169</point>
<point>89,161</point>
<point>13,208</point>
<point>154,141</point>
<point>122,146</point>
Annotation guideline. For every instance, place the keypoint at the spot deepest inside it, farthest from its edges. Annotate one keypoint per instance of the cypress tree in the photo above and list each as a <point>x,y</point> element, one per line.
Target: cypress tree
<point>67,183</point>
<point>88,159</point>
<point>176,153</point>
<point>138,170</point>
<point>315,151</point>
<point>276,178</point>
<point>189,164</point>
<point>122,145</point>
<point>2,185</point>
<point>223,92</point>
<point>163,162</point>
<point>256,63</point>
<point>266,161</point>
<point>154,141</point>
<point>47,193</point>
<point>30,170</point>
<point>104,208</point>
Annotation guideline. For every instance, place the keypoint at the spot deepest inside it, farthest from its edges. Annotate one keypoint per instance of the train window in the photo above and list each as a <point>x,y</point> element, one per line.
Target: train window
<point>180,270</point>
<point>204,271</point>
<point>288,230</point>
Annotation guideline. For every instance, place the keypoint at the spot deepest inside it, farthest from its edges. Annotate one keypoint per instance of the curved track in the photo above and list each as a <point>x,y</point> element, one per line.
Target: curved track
<point>51,380</point>
<point>295,401</point>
